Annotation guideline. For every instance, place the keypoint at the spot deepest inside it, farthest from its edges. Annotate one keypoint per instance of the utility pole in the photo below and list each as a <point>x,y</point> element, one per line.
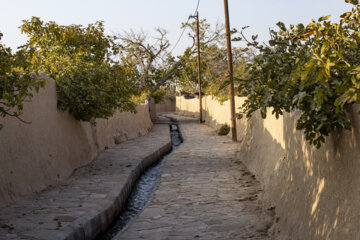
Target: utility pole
<point>230,69</point>
<point>199,67</point>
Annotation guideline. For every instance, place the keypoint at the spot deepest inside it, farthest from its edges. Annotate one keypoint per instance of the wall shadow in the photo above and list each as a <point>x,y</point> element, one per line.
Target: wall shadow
<point>315,191</point>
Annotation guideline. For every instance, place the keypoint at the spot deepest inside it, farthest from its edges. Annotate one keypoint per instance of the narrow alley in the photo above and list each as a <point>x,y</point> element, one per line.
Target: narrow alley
<point>205,193</point>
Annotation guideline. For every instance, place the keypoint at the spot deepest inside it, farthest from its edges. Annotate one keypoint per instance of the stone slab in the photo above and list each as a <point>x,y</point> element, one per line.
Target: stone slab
<point>86,204</point>
<point>205,193</point>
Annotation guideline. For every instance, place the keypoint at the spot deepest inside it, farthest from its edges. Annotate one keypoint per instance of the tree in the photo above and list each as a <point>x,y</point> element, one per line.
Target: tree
<point>17,84</point>
<point>148,57</point>
<point>213,62</point>
<point>89,82</point>
<point>314,70</point>
<point>209,39</point>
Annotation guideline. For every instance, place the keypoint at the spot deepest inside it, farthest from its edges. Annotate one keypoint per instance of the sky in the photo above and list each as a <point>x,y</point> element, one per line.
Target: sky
<point>120,15</point>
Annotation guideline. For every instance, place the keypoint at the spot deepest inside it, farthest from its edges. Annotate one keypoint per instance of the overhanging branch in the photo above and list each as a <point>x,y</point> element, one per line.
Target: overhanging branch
<point>167,76</point>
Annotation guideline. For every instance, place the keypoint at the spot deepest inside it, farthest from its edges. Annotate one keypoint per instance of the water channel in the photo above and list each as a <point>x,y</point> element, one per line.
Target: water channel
<point>142,192</point>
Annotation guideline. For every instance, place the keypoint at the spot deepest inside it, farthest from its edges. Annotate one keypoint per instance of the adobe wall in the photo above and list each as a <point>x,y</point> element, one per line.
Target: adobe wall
<point>169,105</point>
<point>34,156</point>
<point>315,192</point>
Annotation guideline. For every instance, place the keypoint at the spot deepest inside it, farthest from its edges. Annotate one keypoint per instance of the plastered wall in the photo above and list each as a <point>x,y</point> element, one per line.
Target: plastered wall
<point>34,156</point>
<point>168,105</point>
<point>315,192</point>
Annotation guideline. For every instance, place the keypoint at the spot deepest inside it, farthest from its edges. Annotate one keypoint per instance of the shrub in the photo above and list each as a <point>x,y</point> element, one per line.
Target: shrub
<point>159,95</point>
<point>224,130</point>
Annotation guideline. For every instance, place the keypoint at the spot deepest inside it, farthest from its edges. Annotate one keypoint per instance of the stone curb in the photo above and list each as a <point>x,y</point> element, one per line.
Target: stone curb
<point>175,121</point>
<point>97,221</point>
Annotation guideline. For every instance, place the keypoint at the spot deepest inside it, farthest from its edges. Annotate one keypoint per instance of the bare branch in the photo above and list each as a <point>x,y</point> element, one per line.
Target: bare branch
<point>167,76</point>
<point>147,54</point>
<point>14,115</point>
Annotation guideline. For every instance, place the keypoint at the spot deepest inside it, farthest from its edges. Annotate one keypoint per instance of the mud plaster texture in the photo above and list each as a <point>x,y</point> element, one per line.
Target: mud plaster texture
<point>85,205</point>
<point>34,156</point>
<point>168,105</point>
<point>204,193</point>
<point>315,192</point>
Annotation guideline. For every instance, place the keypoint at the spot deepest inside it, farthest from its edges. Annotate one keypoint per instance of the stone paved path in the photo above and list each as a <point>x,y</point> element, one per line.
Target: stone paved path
<point>84,205</point>
<point>205,193</point>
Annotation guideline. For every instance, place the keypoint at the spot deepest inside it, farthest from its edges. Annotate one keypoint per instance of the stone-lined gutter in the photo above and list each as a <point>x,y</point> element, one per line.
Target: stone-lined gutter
<point>97,222</point>
<point>175,121</point>
<point>87,204</point>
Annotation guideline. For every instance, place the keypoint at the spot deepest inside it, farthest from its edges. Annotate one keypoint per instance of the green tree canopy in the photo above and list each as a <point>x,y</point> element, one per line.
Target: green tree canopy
<point>16,82</point>
<point>90,83</point>
<point>313,69</point>
<point>214,69</point>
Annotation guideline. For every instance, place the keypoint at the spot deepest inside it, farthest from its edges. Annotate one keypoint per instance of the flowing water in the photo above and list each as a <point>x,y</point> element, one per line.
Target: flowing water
<point>143,191</point>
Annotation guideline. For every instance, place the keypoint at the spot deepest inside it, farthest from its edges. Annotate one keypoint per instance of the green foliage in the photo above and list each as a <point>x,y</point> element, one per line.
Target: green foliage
<point>99,93</point>
<point>224,130</point>
<point>16,82</point>
<point>159,96</point>
<point>140,98</point>
<point>89,83</point>
<point>314,70</point>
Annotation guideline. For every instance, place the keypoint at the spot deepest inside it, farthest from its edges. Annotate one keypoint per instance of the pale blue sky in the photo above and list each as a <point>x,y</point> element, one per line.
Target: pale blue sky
<point>121,15</point>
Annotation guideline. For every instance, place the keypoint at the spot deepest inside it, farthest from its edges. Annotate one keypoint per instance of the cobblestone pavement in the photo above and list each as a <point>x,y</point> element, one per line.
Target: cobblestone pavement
<point>84,205</point>
<point>205,193</point>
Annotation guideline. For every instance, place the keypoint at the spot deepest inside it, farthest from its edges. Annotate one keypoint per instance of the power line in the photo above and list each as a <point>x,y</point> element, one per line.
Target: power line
<point>182,33</point>
<point>197,7</point>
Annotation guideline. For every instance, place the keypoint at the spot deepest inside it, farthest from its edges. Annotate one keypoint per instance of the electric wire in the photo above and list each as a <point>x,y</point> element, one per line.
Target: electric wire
<point>197,7</point>
<point>182,33</point>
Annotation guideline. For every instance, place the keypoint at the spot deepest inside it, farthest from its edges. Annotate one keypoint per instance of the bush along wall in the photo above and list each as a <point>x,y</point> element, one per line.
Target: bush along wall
<point>313,69</point>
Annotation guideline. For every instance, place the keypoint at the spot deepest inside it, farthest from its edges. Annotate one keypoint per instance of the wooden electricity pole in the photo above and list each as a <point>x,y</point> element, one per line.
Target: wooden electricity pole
<point>230,69</point>
<point>199,67</point>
